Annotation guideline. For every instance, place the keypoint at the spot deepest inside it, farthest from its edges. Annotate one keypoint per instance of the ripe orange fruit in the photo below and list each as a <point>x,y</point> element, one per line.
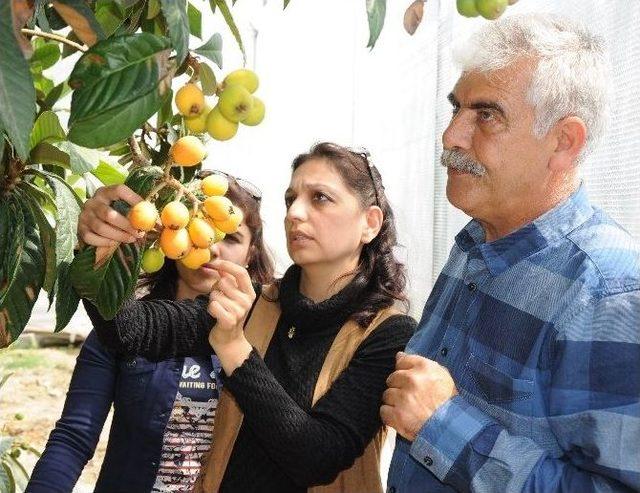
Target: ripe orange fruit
<point>143,216</point>
<point>188,151</point>
<point>214,185</point>
<point>175,243</point>
<point>218,208</point>
<point>232,224</point>
<point>175,215</point>
<point>201,234</point>
<point>196,258</point>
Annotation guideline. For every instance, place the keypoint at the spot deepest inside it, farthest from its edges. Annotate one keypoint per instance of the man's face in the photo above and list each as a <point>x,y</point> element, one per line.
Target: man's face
<point>492,125</point>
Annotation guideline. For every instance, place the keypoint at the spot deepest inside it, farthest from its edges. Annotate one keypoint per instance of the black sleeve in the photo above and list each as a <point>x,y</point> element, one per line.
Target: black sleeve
<point>156,329</point>
<point>312,447</point>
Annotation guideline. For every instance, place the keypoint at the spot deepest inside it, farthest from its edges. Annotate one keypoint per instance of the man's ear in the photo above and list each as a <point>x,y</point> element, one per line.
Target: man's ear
<point>571,138</point>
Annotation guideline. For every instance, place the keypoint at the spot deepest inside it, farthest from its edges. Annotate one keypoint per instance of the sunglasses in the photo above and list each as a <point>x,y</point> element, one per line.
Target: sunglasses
<point>365,155</point>
<point>252,190</point>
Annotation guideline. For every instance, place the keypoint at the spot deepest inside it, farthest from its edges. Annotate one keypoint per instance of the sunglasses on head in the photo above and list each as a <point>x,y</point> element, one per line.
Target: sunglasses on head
<point>251,189</point>
<point>365,155</point>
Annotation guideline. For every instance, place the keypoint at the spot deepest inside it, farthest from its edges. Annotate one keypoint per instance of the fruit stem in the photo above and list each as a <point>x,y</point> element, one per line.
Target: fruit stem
<point>136,153</point>
<point>155,190</point>
<point>55,37</point>
<point>181,188</point>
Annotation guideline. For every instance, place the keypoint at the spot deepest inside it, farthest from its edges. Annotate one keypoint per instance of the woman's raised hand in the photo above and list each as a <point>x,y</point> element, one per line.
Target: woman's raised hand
<point>230,303</point>
<point>102,226</point>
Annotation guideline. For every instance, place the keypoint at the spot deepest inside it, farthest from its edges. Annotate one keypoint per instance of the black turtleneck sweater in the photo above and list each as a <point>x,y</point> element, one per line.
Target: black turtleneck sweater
<point>284,444</point>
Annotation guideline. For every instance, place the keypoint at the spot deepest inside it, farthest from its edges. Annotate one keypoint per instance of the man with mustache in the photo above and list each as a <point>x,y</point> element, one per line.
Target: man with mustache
<point>524,374</point>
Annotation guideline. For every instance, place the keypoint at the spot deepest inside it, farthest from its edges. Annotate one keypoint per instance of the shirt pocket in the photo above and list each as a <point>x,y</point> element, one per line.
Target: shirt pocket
<point>133,378</point>
<point>495,386</point>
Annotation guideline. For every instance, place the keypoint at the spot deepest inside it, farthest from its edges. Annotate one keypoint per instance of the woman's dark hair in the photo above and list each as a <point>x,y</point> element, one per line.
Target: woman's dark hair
<point>381,276</point>
<point>260,264</point>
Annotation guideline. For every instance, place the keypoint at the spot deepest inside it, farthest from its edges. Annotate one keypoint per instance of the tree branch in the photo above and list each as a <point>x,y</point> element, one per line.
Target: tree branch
<point>55,37</point>
<point>136,153</point>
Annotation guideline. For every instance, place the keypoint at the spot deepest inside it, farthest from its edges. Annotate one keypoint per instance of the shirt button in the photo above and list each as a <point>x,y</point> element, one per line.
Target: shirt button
<point>444,351</point>
<point>392,489</point>
<point>472,286</point>
<point>428,461</point>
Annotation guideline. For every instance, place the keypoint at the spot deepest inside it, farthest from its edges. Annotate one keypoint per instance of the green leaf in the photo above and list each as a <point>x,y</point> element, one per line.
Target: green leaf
<point>120,83</point>
<point>107,276</point>
<point>82,20</point>
<point>117,71</point>
<point>3,380</point>
<point>212,49</point>
<point>42,85</point>
<point>23,289</point>
<point>153,8</point>
<point>45,56</point>
<point>33,196</point>
<point>45,153</point>
<point>208,80</point>
<point>195,20</point>
<point>175,13</point>
<point>59,91</point>
<point>117,123</point>
<point>17,95</point>
<point>55,21</point>
<point>81,159</point>
<point>142,180</point>
<point>376,10</point>
<point>110,173</point>
<point>68,207</point>
<point>228,18</point>
<point>11,241</point>
<point>166,111</point>
<point>212,4</point>
<point>110,18</point>
<point>46,129</point>
<point>286,2</point>
<point>7,484</point>
<point>20,474</point>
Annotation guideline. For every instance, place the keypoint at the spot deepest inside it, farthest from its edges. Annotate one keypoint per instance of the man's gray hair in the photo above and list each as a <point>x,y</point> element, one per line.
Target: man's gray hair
<point>571,75</point>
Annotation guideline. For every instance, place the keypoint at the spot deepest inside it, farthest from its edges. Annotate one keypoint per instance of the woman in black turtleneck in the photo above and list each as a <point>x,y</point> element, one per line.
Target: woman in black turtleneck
<point>341,235</point>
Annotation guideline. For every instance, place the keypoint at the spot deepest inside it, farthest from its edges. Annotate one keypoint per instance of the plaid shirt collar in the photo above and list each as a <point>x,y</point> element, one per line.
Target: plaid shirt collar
<point>507,251</point>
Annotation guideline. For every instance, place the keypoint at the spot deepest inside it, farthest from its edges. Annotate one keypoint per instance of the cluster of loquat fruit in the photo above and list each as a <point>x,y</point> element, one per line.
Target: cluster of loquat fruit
<point>489,9</point>
<point>187,235</point>
<point>236,104</point>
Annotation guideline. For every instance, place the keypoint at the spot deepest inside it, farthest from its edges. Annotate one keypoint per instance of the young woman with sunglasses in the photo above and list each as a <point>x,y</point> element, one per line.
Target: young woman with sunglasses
<point>163,410</point>
<point>304,362</point>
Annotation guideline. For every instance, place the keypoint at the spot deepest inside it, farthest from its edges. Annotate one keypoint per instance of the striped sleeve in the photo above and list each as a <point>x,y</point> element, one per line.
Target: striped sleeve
<point>594,412</point>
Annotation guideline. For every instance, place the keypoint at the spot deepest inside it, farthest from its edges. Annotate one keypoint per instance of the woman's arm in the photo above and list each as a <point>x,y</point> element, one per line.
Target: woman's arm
<point>156,329</point>
<point>73,440</point>
<point>313,447</point>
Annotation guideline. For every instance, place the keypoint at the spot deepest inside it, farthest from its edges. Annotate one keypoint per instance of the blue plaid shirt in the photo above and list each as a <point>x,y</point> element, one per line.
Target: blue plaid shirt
<point>541,333</point>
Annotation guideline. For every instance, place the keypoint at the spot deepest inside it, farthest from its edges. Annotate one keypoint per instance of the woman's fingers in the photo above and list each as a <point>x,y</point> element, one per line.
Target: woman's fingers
<point>238,272</point>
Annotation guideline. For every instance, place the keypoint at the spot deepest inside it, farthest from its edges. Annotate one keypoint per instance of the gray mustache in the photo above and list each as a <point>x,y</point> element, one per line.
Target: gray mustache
<point>461,162</point>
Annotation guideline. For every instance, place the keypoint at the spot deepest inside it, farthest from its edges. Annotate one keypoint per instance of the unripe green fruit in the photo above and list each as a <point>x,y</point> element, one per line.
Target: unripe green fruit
<point>235,103</point>
<point>467,8</point>
<point>245,77</point>
<point>256,115</point>
<point>152,260</point>
<point>491,9</point>
<point>219,127</point>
